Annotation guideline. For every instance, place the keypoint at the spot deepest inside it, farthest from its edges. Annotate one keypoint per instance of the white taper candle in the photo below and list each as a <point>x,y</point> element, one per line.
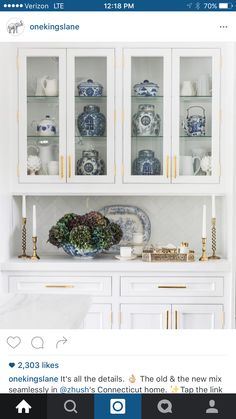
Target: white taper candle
<point>23,206</point>
<point>34,222</point>
<point>213,206</point>
<point>204,222</point>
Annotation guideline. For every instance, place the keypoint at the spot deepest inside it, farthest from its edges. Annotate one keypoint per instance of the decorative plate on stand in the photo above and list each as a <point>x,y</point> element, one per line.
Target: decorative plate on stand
<point>131,219</point>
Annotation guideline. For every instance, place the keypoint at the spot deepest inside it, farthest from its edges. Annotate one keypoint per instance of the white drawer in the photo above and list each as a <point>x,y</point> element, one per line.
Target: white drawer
<point>172,286</point>
<point>84,285</point>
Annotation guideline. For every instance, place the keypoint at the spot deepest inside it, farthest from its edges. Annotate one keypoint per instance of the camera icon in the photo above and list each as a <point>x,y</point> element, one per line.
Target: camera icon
<point>117,406</point>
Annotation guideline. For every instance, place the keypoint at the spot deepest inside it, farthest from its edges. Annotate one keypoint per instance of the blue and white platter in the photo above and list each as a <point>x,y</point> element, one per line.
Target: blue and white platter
<point>131,219</point>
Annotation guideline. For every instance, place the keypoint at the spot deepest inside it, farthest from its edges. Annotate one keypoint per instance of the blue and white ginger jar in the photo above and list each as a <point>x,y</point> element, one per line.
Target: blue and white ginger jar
<point>91,123</point>
<point>145,122</point>
<point>90,164</point>
<point>146,164</point>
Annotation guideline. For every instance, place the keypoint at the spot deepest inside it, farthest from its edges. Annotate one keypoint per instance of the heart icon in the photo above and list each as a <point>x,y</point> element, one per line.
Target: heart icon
<point>12,364</point>
<point>13,341</point>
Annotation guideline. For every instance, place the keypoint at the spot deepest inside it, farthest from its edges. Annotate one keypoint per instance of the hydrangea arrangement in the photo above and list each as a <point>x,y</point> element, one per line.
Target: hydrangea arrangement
<point>84,235</point>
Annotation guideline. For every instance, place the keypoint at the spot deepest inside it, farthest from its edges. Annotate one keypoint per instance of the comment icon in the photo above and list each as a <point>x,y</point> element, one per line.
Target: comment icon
<point>37,342</point>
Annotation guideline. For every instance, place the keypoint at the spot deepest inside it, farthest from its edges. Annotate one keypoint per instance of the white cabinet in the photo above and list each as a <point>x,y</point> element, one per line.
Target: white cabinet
<point>195,115</point>
<point>147,119</point>
<point>66,135</point>
<point>181,149</point>
<point>98,317</point>
<point>140,298</point>
<point>90,119</point>
<point>42,109</point>
<point>194,316</point>
<point>145,316</point>
<point>170,123</point>
<point>184,316</point>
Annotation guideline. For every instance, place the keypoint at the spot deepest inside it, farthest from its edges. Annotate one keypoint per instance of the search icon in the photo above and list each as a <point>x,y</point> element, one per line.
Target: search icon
<point>37,342</point>
<point>70,406</point>
<point>164,406</point>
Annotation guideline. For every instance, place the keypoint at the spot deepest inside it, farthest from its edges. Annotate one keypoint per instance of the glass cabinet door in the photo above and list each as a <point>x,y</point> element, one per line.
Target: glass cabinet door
<point>42,115</point>
<point>196,115</point>
<point>147,106</point>
<point>90,115</point>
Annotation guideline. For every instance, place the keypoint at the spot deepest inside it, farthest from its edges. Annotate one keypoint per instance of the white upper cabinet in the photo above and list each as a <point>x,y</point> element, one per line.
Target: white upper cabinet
<point>90,115</point>
<point>184,83</point>
<point>42,115</point>
<point>147,115</point>
<point>169,133</point>
<point>195,115</point>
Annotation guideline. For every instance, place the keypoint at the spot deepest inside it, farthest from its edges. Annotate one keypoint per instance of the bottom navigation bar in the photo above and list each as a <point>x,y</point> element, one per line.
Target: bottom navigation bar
<point>127,406</point>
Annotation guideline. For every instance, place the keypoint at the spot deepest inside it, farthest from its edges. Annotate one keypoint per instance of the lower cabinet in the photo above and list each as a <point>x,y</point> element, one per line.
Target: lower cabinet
<point>158,316</point>
<point>98,317</point>
<point>197,316</point>
<point>133,300</point>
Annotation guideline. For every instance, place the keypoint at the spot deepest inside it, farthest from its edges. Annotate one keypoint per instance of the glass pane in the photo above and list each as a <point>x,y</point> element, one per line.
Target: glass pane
<point>147,116</point>
<point>195,146</point>
<point>90,116</point>
<point>42,116</point>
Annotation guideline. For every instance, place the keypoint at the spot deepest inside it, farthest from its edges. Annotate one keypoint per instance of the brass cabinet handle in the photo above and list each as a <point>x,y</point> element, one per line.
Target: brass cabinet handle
<point>175,167</point>
<point>69,167</point>
<point>59,286</point>
<point>176,319</point>
<point>62,166</point>
<point>172,286</point>
<point>167,319</point>
<point>167,166</point>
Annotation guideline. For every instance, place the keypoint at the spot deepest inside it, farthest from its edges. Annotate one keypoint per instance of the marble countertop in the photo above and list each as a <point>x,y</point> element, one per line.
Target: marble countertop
<point>108,263</point>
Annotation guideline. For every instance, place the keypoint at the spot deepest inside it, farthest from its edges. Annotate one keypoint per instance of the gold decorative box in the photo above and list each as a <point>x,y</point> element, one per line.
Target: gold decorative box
<point>164,254</point>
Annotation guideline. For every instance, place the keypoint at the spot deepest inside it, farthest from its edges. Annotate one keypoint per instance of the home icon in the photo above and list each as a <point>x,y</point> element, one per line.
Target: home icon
<point>23,407</point>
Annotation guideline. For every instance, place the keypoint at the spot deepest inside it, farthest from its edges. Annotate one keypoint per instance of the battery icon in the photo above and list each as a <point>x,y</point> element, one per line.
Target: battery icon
<point>225,6</point>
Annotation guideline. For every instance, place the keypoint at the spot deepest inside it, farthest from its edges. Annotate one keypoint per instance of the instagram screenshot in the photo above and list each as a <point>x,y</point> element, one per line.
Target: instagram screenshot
<point>117,202</point>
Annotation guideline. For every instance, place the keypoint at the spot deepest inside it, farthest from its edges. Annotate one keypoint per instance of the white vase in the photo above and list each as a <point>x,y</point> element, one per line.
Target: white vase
<point>188,88</point>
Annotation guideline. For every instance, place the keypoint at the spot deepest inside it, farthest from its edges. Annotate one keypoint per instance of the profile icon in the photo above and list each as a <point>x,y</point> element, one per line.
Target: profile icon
<point>212,408</point>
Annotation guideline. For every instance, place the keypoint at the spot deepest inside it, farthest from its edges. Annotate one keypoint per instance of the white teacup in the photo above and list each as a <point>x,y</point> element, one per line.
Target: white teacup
<point>53,168</point>
<point>126,252</point>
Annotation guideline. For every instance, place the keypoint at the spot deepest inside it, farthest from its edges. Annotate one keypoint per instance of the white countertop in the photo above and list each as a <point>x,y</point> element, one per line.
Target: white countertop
<point>108,263</point>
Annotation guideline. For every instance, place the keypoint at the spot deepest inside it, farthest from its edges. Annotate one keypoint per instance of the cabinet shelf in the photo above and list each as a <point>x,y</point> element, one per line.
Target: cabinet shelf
<point>93,98</point>
<point>195,138</point>
<point>196,99</point>
<point>42,99</point>
<point>79,137</point>
<point>140,137</point>
<point>42,137</point>
<point>147,97</point>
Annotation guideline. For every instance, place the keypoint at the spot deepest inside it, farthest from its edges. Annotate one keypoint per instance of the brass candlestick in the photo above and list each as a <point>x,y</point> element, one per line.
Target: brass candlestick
<point>34,255</point>
<point>213,239</point>
<point>204,257</point>
<point>23,240</point>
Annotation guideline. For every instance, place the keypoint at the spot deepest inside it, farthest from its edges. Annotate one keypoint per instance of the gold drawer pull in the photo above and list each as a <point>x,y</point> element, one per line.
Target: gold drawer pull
<point>172,286</point>
<point>59,286</point>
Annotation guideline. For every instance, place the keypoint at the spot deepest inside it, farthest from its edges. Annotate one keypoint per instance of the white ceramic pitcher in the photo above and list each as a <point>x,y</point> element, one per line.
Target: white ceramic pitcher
<point>50,87</point>
<point>39,91</point>
<point>186,165</point>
